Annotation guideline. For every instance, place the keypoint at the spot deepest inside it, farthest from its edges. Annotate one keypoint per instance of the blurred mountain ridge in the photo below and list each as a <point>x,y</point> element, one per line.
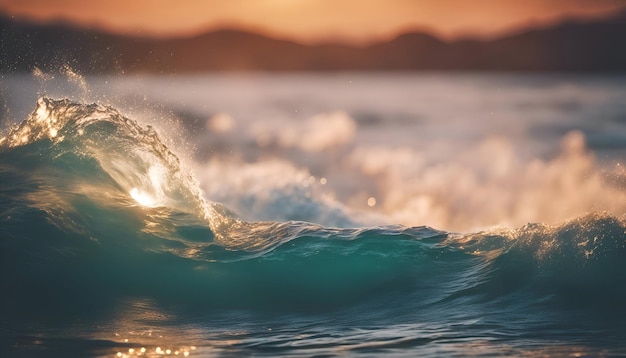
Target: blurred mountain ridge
<point>569,46</point>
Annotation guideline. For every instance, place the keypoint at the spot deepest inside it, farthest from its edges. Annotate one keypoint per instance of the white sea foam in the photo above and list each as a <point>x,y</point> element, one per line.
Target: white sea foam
<point>456,152</point>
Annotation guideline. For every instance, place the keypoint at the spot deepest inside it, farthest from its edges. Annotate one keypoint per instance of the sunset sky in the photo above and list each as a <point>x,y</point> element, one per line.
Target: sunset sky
<point>312,20</point>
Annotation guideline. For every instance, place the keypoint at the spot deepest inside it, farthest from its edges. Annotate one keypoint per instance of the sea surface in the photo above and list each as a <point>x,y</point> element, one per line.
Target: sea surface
<point>312,214</point>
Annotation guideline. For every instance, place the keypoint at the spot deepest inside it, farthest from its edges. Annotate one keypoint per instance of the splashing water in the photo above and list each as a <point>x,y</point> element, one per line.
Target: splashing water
<point>100,215</point>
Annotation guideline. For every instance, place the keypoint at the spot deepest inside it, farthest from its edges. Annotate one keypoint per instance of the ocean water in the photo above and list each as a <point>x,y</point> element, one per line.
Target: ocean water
<point>338,214</point>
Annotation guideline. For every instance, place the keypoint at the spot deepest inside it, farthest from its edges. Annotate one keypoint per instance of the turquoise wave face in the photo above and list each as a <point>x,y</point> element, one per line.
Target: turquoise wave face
<point>95,209</point>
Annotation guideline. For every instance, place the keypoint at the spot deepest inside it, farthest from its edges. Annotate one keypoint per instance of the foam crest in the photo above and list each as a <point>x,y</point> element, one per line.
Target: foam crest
<point>491,184</point>
<point>570,264</point>
<point>134,157</point>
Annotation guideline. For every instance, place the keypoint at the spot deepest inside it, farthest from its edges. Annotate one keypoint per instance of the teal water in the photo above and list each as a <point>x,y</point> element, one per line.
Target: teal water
<point>108,247</point>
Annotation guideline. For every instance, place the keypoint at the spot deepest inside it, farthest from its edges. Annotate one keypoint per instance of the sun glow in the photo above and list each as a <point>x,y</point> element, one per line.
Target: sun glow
<point>143,198</point>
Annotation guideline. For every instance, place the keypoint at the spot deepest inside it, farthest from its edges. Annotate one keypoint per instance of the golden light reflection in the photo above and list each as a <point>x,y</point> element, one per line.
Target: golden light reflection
<point>143,198</point>
<point>156,352</point>
<point>137,340</point>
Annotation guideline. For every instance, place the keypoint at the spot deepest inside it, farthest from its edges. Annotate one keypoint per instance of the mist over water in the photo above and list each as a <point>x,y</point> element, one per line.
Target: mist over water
<point>299,214</point>
<point>458,152</point>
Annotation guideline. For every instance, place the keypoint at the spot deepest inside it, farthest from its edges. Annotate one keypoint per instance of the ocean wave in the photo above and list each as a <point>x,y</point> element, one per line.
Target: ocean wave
<point>94,205</point>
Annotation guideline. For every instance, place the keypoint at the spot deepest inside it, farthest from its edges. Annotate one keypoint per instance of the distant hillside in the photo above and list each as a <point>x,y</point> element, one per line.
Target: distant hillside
<point>570,46</point>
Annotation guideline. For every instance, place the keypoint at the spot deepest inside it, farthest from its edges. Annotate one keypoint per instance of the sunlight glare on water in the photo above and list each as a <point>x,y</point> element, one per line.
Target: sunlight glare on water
<point>143,198</point>
<point>154,195</point>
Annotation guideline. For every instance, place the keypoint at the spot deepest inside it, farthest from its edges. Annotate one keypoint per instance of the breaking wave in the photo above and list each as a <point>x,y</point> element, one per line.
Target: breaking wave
<point>95,208</point>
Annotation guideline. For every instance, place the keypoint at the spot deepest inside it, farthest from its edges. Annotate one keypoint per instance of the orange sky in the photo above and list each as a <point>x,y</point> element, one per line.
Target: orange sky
<point>311,20</point>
